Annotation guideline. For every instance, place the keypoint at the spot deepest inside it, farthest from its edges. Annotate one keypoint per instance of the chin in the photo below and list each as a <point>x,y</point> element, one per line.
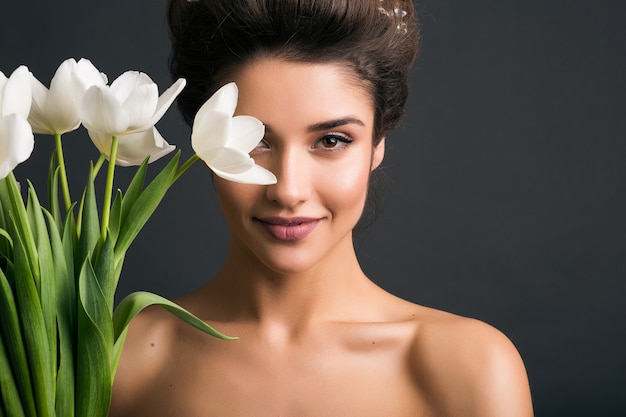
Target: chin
<point>289,264</point>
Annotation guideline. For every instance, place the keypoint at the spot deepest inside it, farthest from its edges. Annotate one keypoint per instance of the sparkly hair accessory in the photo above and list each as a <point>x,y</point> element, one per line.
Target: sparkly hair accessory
<point>396,13</point>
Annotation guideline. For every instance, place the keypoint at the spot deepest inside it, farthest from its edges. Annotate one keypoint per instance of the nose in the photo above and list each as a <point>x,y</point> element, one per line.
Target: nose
<point>294,176</point>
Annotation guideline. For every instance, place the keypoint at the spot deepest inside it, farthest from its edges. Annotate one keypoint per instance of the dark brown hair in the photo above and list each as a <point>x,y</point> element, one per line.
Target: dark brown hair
<point>377,39</point>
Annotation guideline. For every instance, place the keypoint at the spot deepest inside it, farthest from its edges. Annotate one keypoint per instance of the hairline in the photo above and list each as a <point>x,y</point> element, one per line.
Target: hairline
<point>345,66</point>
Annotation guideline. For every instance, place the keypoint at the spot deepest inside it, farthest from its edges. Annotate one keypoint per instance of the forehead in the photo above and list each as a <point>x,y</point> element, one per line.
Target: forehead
<point>272,88</point>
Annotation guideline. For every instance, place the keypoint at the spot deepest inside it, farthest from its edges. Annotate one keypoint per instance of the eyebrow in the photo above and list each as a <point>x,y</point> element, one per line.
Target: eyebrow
<point>330,124</point>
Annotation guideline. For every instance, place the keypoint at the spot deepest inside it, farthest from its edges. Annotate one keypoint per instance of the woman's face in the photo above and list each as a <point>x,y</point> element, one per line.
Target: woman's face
<point>318,143</point>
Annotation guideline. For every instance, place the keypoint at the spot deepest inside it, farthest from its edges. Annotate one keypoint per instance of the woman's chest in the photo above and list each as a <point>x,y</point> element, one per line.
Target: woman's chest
<point>285,383</point>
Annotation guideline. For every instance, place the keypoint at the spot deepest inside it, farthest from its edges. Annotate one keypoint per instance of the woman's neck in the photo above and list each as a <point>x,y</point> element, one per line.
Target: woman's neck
<point>247,290</point>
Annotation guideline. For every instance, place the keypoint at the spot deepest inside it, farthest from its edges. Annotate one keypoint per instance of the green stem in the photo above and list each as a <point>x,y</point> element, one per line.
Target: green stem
<point>184,167</point>
<point>108,188</point>
<point>65,189</point>
<point>98,165</point>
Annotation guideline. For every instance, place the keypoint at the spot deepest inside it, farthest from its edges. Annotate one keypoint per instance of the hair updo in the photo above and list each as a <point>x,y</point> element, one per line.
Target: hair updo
<point>377,39</point>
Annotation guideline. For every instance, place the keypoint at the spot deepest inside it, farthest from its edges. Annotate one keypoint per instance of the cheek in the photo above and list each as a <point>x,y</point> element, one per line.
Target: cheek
<point>345,190</point>
<point>234,198</point>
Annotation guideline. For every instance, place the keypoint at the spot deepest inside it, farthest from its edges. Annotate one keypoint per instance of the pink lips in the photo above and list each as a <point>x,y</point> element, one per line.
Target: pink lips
<point>289,228</point>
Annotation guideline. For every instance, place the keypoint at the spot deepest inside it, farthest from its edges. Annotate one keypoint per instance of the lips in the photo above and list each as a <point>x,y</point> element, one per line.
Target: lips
<point>288,228</point>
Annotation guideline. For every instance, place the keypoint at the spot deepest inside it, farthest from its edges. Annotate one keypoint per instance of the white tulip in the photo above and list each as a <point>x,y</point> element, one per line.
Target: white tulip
<point>224,142</point>
<point>16,135</point>
<point>55,110</point>
<point>128,109</point>
<point>133,148</point>
<point>15,92</point>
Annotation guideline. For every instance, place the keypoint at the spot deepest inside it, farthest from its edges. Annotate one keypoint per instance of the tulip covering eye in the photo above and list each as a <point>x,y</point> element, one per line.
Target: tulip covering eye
<point>224,142</point>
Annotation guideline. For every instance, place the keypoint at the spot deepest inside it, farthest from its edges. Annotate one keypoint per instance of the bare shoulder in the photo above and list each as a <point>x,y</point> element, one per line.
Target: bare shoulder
<point>144,355</point>
<point>468,367</point>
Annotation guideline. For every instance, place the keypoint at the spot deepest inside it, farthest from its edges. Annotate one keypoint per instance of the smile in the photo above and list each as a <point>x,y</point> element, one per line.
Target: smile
<point>288,228</point>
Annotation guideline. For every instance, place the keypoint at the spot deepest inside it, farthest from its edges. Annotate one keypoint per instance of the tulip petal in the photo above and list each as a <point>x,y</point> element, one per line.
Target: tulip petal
<point>224,142</point>
<point>123,86</point>
<point>255,175</point>
<point>140,106</point>
<point>15,95</point>
<point>220,105</point>
<point>210,112</point>
<point>85,75</point>
<point>132,149</point>
<point>225,99</point>
<point>231,160</point>
<point>62,80</point>
<point>135,147</point>
<point>3,83</point>
<point>36,117</point>
<point>56,110</point>
<point>167,98</point>
<point>246,132</point>
<point>61,109</point>
<point>210,134</point>
<point>102,112</point>
<point>16,142</point>
<point>101,140</point>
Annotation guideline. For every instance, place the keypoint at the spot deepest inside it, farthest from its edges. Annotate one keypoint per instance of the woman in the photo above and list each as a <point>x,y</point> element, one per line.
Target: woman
<point>328,78</point>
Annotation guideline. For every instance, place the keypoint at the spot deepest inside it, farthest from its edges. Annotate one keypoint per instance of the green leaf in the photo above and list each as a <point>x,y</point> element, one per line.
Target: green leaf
<point>5,203</point>
<point>8,388</point>
<point>105,272</point>
<point>66,321</point>
<point>53,190</point>
<point>115,219</point>
<point>6,242</point>
<point>7,237</point>
<point>70,240</point>
<point>143,207</point>
<point>134,189</point>
<point>118,269</point>
<point>95,339</point>
<point>18,221</point>
<point>12,334</point>
<point>65,379</point>
<point>34,332</point>
<point>89,231</point>
<point>132,304</point>
<point>93,301</point>
<point>47,291</point>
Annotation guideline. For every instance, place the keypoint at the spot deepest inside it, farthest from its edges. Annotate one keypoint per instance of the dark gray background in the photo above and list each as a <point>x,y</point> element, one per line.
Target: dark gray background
<point>504,194</point>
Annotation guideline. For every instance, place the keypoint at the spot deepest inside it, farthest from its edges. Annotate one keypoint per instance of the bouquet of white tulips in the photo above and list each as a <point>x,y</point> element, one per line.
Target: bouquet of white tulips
<point>60,334</point>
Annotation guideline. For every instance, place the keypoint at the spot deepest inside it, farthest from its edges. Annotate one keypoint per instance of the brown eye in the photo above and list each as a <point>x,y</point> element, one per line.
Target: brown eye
<point>329,141</point>
<point>333,141</point>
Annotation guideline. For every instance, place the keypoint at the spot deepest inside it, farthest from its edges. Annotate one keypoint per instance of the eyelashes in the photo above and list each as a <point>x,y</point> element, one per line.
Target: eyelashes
<point>329,142</point>
<point>263,144</point>
<point>333,142</point>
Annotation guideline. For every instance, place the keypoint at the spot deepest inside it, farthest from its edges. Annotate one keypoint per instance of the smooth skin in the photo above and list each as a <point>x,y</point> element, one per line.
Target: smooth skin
<point>316,337</point>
